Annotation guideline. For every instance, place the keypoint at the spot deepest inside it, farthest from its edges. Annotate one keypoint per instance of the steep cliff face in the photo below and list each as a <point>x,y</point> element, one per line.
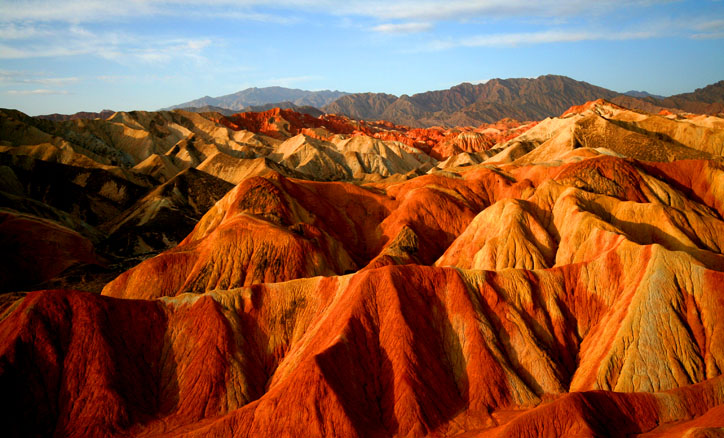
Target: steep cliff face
<point>568,281</point>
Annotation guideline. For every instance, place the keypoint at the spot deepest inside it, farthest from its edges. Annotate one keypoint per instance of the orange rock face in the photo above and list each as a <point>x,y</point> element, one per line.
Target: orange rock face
<point>569,283</point>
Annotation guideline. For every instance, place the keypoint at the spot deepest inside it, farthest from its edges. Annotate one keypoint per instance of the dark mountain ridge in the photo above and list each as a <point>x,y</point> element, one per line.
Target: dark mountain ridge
<point>522,98</point>
<point>519,98</point>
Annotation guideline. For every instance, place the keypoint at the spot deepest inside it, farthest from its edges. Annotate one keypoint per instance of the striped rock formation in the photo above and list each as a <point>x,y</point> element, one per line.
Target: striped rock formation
<point>567,282</point>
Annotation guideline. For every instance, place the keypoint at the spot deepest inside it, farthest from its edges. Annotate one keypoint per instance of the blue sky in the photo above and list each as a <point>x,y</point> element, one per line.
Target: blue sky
<point>87,55</point>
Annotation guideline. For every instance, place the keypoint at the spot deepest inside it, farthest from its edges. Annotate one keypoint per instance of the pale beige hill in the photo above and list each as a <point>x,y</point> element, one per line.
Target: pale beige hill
<point>141,133</point>
<point>19,135</point>
<point>549,129</point>
<point>699,132</point>
<point>127,139</point>
<point>590,223</point>
<point>505,235</point>
<point>300,142</point>
<point>367,155</point>
<point>463,159</point>
<point>190,152</point>
<point>235,170</point>
<point>161,167</point>
<point>582,210</point>
<point>194,149</point>
<point>369,145</point>
<point>704,133</point>
<point>604,128</point>
<point>358,157</point>
<point>312,157</point>
<point>706,121</point>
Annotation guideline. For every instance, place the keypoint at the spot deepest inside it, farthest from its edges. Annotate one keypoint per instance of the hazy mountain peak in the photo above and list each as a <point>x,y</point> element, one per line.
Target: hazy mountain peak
<point>256,96</point>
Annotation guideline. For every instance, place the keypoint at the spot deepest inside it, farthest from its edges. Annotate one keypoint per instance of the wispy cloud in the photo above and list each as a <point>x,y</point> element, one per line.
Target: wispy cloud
<point>542,37</point>
<point>710,29</point>
<point>117,46</point>
<point>23,77</point>
<point>462,10</point>
<point>41,91</point>
<point>710,25</point>
<point>84,11</point>
<point>401,28</point>
<point>80,11</point>
<point>19,31</point>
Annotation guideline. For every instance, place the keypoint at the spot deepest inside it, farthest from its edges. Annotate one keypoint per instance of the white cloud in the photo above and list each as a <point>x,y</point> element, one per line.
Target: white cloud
<point>24,77</point>
<point>462,10</point>
<point>411,27</point>
<point>543,37</point>
<point>711,25</point>
<point>708,36</point>
<point>712,29</point>
<point>75,40</point>
<point>29,29</point>
<point>84,11</point>
<point>19,31</point>
<point>41,91</point>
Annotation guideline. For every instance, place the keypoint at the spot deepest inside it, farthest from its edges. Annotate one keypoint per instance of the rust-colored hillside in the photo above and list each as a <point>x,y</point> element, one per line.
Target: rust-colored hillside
<point>280,274</point>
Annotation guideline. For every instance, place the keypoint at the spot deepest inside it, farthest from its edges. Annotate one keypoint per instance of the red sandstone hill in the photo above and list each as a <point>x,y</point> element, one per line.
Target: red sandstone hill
<point>564,278</point>
<point>440,143</point>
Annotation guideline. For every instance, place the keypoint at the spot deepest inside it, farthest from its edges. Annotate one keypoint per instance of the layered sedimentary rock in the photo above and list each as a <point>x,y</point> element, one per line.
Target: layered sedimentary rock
<point>394,351</point>
<point>565,282</point>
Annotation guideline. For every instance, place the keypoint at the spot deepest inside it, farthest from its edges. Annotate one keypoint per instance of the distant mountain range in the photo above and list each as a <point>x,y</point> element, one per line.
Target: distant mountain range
<point>707,100</point>
<point>522,99</point>
<point>465,104</point>
<point>643,94</point>
<point>472,104</point>
<point>306,109</point>
<point>263,96</point>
